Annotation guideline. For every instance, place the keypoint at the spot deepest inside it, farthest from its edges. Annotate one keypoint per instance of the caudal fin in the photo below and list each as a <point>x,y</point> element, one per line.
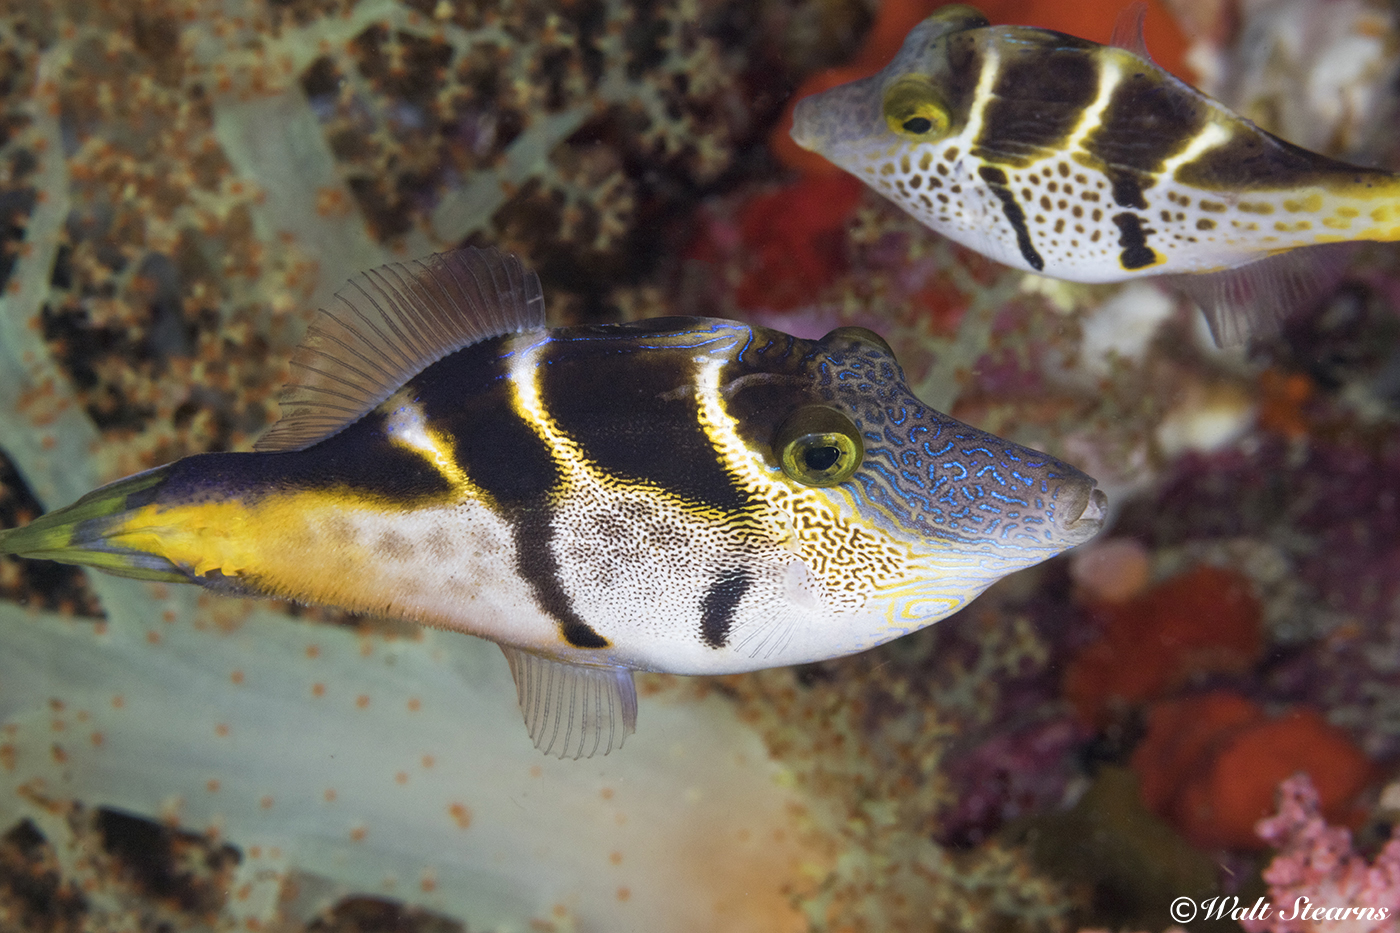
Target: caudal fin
<point>77,534</point>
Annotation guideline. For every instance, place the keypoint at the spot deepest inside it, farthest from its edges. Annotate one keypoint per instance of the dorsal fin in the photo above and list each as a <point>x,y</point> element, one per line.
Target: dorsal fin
<point>1127,29</point>
<point>389,324</point>
<point>573,710</point>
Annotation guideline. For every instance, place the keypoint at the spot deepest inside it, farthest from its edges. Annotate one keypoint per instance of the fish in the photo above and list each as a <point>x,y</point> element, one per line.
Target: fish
<point>1089,163</point>
<point>681,494</point>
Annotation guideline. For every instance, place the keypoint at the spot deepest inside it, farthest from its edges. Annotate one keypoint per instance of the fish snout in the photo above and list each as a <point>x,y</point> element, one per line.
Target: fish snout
<point>1083,511</point>
<point>804,123</point>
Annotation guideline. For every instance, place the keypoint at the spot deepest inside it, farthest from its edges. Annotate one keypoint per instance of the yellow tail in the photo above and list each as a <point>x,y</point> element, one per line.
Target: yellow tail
<point>77,534</point>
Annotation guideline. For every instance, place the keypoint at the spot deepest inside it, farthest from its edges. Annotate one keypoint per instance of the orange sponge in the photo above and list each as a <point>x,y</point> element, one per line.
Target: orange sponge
<point>1206,619</point>
<point>1211,765</point>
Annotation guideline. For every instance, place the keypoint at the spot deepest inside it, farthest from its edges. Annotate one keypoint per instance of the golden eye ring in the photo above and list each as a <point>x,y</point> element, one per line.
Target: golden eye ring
<point>915,111</point>
<point>819,446</point>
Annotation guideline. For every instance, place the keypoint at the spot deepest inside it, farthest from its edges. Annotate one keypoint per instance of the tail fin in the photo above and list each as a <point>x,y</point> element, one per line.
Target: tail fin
<point>77,534</point>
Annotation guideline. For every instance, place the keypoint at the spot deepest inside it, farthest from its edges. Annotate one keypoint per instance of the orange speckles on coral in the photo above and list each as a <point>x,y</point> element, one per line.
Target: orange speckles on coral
<point>358,834</point>
<point>1211,765</point>
<point>606,793</point>
<point>624,894</point>
<point>265,802</point>
<point>153,637</point>
<point>366,648</point>
<point>118,701</point>
<point>212,785</point>
<point>615,858</point>
<point>536,771</point>
<point>329,795</point>
<point>168,616</point>
<point>253,852</point>
<point>1283,399</point>
<point>318,690</point>
<point>236,678</point>
<point>58,754</point>
<point>221,730</point>
<point>401,777</point>
<point>1206,619</point>
<point>333,202</point>
<point>428,761</point>
<point>7,757</point>
<point>362,701</point>
<point>97,739</point>
<point>461,815</point>
<point>427,884</point>
<point>57,725</point>
<point>252,924</point>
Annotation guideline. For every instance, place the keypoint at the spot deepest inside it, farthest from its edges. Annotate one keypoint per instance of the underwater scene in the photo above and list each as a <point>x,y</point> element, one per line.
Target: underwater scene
<point>1191,721</point>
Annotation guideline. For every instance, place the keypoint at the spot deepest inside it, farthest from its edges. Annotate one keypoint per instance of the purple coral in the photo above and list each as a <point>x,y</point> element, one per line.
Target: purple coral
<point>1317,882</point>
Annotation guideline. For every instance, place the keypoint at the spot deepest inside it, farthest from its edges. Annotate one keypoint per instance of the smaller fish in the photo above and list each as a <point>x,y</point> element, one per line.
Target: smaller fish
<point>687,495</point>
<point>1090,163</point>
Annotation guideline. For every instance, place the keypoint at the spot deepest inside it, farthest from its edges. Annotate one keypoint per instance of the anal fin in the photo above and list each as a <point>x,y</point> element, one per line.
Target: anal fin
<point>1252,300</point>
<point>573,710</point>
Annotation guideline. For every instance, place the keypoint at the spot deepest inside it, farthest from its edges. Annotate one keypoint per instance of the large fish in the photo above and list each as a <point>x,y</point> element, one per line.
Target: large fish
<point>1090,163</point>
<point>687,495</point>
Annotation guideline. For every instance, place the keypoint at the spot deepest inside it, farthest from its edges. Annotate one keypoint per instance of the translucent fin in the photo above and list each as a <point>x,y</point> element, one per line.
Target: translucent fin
<point>1127,29</point>
<point>389,324</point>
<point>76,534</point>
<point>572,710</point>
<point>1251,300</point>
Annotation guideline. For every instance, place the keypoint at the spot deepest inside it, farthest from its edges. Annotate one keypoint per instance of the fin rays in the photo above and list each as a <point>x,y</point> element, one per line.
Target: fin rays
<point>1251,300</point>
<point>389,324</point>
<point>572,710</point>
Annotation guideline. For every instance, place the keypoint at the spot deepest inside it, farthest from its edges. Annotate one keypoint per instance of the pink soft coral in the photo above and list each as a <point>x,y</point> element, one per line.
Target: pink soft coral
<point>1315,862</point>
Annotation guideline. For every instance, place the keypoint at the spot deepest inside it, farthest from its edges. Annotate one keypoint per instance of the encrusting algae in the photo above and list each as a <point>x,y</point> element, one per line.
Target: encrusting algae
<point>187,182</point>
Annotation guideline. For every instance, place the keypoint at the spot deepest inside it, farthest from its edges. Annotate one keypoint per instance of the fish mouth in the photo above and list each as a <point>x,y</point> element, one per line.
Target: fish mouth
<point>1084,513</point>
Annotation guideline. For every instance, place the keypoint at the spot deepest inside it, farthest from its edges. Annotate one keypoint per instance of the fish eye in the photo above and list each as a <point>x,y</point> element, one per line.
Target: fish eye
<point>859,334</point>
<point>914,110</point>
<point>819,446</point>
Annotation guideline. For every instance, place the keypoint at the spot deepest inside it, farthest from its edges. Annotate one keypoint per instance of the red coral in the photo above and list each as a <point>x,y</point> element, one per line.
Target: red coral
<point>793,241</point>
<point>1206,619</point>
<point>1211,764</point>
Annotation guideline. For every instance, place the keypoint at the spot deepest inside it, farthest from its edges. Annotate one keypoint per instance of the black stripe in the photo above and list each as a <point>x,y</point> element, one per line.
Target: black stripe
<point>1253,160</point>
<point>534,557</point>
<point>717,609</point>
<point>1045,82</point>
<point>1150,117</point>
<point>469,395</point>
<point>996,180</point>
<point>359,459</point>
<point>958,83</point>
<point>1133,238</point>
<point>626,394</point>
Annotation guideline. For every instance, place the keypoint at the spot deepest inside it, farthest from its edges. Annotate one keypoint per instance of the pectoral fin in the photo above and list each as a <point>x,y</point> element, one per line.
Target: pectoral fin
<point>573,710</point>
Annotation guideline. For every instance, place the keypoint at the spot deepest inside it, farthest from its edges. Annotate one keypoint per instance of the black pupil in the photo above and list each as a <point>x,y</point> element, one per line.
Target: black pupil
<point>918,124</point>
<point>821,459</point>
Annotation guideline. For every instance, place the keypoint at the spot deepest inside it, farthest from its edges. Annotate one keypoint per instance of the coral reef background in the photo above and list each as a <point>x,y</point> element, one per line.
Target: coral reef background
<point>182,182</point>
